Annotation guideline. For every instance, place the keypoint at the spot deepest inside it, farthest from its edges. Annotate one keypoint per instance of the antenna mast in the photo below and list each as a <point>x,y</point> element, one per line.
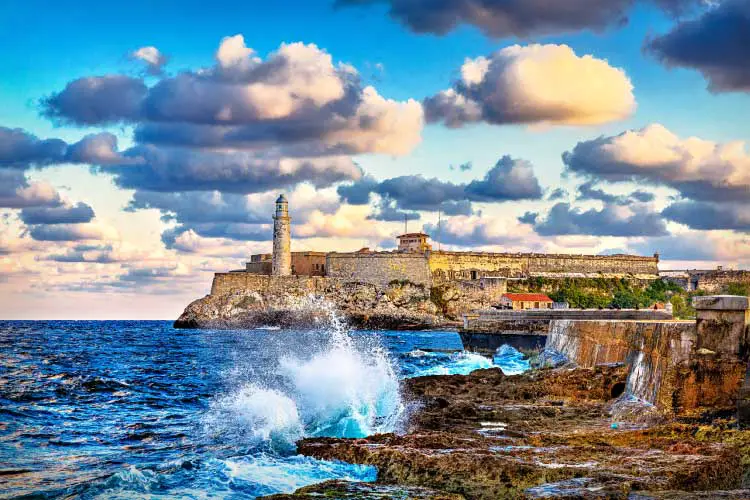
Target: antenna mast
<point>406,224</point>
<point>440,213</point>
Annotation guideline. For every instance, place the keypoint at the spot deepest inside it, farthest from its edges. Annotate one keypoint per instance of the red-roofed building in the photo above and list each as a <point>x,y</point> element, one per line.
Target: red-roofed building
<point>520,301</point>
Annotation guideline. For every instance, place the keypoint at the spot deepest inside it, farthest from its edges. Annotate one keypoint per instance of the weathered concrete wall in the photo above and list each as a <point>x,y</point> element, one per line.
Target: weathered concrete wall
<point>649,347</point>
<point>472,265</point>
<point>379,268</point>
<point>717,281</point>
<point>676,365</point>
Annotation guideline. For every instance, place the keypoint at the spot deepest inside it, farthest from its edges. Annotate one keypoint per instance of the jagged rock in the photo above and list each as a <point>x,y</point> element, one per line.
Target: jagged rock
<point>345,490</point>
<point>401,306</point>
<point>546,433</point>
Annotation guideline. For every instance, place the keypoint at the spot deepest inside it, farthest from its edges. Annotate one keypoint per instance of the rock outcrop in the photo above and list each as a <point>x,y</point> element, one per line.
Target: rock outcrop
<point>399,306</point>
<point>548,433</point>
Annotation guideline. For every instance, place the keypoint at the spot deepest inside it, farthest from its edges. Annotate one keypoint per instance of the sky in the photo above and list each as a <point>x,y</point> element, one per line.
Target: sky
<point>142,144</point>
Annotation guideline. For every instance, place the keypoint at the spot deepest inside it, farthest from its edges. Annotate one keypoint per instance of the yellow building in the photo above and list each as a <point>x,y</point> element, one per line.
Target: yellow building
<point>414,242</point>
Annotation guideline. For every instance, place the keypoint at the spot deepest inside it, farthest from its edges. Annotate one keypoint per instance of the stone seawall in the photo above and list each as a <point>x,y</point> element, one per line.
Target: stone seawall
<point>676,365</point>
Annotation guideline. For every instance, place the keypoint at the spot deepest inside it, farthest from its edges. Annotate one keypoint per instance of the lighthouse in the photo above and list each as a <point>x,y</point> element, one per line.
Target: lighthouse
<point>282,239</point>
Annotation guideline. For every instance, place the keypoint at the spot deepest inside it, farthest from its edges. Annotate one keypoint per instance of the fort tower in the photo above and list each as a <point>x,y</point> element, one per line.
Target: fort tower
<point>282,239</point>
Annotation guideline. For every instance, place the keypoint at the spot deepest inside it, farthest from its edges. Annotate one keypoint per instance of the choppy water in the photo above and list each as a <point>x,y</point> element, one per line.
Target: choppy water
<point>124,409</point>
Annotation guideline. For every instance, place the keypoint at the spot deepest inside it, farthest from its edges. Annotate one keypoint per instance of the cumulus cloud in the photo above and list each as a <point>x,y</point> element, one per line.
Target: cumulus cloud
<point>22,150</point>
<point>508,180</point>
<point>534,84</point>
<point>504,18</point>
<point>177,169</point>
<point>97,100</point>
<point>152,58</point>
<point>17,192</point>
<point>64,214</point>
<point>296,95</point>
<point>710,216</point>
<point>612,220</point>
<point>699,169</point>
<point>717,44</point>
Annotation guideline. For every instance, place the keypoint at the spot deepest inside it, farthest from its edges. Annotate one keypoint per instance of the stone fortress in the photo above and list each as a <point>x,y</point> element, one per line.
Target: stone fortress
<point>415,261</point>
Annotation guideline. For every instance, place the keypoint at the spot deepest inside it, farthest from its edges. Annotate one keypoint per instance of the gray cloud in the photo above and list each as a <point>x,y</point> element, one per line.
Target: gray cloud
<point>562,219</point>
<point>17,192</point>
<point>521,18</point>
<point>98,254</point>
<point>710,216</point>
<point>529,218</point>
<point>509,180</point>
<point>97,100</point>
<point>64,214</point>
<point>176,169</point>
<point>20,149</point>
<point>717,44</point>
<point>587,191</point>
<point>558,194</point>
<point>387,211</point>
<point>64,232</point>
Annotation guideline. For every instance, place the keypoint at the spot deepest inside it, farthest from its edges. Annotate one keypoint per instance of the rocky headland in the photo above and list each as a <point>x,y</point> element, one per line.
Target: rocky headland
<point>551,433</point>
<point>401,305</point>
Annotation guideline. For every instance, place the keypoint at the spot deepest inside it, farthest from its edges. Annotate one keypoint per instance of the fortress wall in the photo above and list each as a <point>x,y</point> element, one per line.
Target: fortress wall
<point>225,283</point>
<point>379,268</point>
<point>472,265</point>
<point>717,281</point>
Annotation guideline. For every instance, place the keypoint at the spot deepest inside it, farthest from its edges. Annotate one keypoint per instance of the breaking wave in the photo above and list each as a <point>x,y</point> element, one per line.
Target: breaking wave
<point>323,383</point>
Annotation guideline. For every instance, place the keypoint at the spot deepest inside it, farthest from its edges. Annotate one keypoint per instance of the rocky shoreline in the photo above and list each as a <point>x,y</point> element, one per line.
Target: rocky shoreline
<point>553,433</point>
<point>399,306</point>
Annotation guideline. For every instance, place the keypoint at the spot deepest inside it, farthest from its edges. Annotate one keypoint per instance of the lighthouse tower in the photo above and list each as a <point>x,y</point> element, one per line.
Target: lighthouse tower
<point>282,239</point>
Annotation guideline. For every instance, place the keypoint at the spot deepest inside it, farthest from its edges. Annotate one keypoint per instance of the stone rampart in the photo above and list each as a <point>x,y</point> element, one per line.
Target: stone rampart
<point>717,281</point>
<point>379,268</point>
<point>226,283</point>
<point>446,266</point>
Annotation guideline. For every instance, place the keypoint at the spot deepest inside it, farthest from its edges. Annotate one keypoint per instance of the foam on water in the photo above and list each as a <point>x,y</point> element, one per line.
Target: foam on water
<point>507,358</point>
<point>510,360</point>
<point>338,388</point>
<point>457,363</point>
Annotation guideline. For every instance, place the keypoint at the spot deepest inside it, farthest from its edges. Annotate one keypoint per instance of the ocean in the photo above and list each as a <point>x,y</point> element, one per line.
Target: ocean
<point>134,409</point>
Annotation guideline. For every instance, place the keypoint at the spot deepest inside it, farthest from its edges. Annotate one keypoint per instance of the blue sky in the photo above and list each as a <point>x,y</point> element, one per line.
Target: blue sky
<point>153,254</point>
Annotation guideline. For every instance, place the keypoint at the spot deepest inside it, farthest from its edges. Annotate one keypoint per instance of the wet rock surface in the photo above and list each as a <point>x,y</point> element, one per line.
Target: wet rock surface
<point>345,490</point>
<point>547,434</point>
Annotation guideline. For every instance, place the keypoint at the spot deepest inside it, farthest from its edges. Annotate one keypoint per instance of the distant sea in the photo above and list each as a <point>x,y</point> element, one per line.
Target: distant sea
<point>127,409</point>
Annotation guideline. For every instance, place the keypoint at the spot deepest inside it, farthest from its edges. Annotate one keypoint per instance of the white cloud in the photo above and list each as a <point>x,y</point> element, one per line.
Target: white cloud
<point>535,84</point>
